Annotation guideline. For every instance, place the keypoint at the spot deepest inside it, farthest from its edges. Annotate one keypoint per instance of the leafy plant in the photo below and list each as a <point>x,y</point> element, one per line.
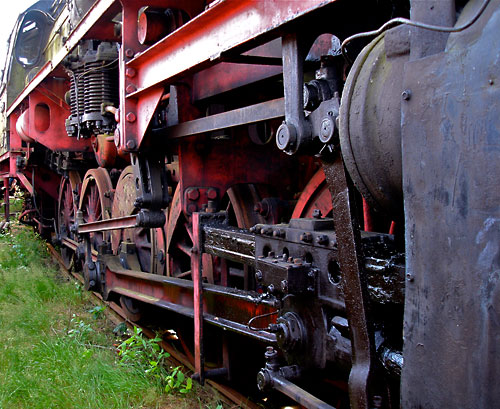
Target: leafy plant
<point>176,380</point>
<point>97,311</point>
<point>148,356</point>
<point>80,329</point>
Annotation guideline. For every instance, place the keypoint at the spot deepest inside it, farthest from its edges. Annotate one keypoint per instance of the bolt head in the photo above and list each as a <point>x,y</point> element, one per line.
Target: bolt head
<point>130,117</point>
<point>284,286</point>
<point>306,237</point>
<point>130,72</point>
<point>323,239</point>
<point>316,214</point>
<point>327,129</point>
<point>193,194</point>
<point>131,144</point>
<point>212,194</point>
<point>130,88</point>
<point>286,136</point>
<point>191,208</point>
<point>258,275</point>
<point>129,52</point>
<point>406,94</point>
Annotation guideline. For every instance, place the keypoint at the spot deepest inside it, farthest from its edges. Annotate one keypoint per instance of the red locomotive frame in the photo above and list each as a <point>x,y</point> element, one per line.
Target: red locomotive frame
<point>197,156</point>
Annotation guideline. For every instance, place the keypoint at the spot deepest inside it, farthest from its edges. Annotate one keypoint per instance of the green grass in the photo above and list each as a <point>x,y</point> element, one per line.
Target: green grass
<point>56,350</point>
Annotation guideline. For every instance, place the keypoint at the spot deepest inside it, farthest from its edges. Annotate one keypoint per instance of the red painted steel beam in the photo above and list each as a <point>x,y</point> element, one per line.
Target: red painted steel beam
<point>229,24</point>
<point>195,45</point>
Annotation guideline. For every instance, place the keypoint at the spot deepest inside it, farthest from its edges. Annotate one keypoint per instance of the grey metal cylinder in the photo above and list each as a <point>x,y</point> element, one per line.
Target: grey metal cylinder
<point>370,122</point>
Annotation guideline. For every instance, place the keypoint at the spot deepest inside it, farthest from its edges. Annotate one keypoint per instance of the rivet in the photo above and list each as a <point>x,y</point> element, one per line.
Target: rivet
<point>130,117</point>
<point>130,88</point>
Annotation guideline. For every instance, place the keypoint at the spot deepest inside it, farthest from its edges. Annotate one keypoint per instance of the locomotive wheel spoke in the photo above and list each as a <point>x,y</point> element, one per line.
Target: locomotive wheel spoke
<point>66,212</point>
<point>95,202</point>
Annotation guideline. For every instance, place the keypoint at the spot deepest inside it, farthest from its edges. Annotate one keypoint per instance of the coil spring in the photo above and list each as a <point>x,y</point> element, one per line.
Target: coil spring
<point>77,89</point>
<point>100,85</point>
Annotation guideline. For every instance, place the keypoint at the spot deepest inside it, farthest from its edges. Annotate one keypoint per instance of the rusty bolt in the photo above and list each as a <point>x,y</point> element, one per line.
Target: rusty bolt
<point>316,214</point>
<point>193,193</point>
<point>212,194</point>
<point>129,52</point>
<point>267,231</point>
<point>406,95</point>
<point>130,72</point>
<point>191,208</point>
<point>306,237</point>
<point>323,239</point>
<point>130,117</point>
<point>286,136</point>
<point>279,233</point>
<point>211,207</point>
<point>130,88</point>
<point>131,144</point>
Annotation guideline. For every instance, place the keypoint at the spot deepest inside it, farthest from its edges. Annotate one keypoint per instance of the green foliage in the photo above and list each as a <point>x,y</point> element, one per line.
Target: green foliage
<point>79,329</point>
<point>148,356</point>
<point>53,353</point>
<point>97,311</point>
<point>176,380</point>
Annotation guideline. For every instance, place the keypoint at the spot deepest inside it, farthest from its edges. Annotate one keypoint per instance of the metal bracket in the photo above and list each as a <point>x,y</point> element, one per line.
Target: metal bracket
<point>150,182</point>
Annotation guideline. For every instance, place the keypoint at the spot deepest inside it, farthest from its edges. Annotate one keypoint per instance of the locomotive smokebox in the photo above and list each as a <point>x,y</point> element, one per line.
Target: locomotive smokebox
<point>370,121</point>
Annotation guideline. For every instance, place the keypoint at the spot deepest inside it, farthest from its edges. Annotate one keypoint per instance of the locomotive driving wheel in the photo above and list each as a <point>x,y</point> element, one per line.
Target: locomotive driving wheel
<point>239,203</point>
<point>314,196</point>
<point>95,201</point>
<point>148,243</point>
<point>241,200</point>
<point>66,212</point>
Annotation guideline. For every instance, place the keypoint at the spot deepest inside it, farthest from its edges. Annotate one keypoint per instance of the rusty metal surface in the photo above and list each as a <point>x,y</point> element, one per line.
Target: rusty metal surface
<point>451,164</point>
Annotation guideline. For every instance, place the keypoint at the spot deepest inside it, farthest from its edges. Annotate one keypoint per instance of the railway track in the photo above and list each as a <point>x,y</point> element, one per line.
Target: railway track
<point>115,314</point>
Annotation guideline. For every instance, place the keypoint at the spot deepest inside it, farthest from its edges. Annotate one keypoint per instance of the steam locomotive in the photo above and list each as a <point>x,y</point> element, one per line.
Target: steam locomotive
<point>306,191</point>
